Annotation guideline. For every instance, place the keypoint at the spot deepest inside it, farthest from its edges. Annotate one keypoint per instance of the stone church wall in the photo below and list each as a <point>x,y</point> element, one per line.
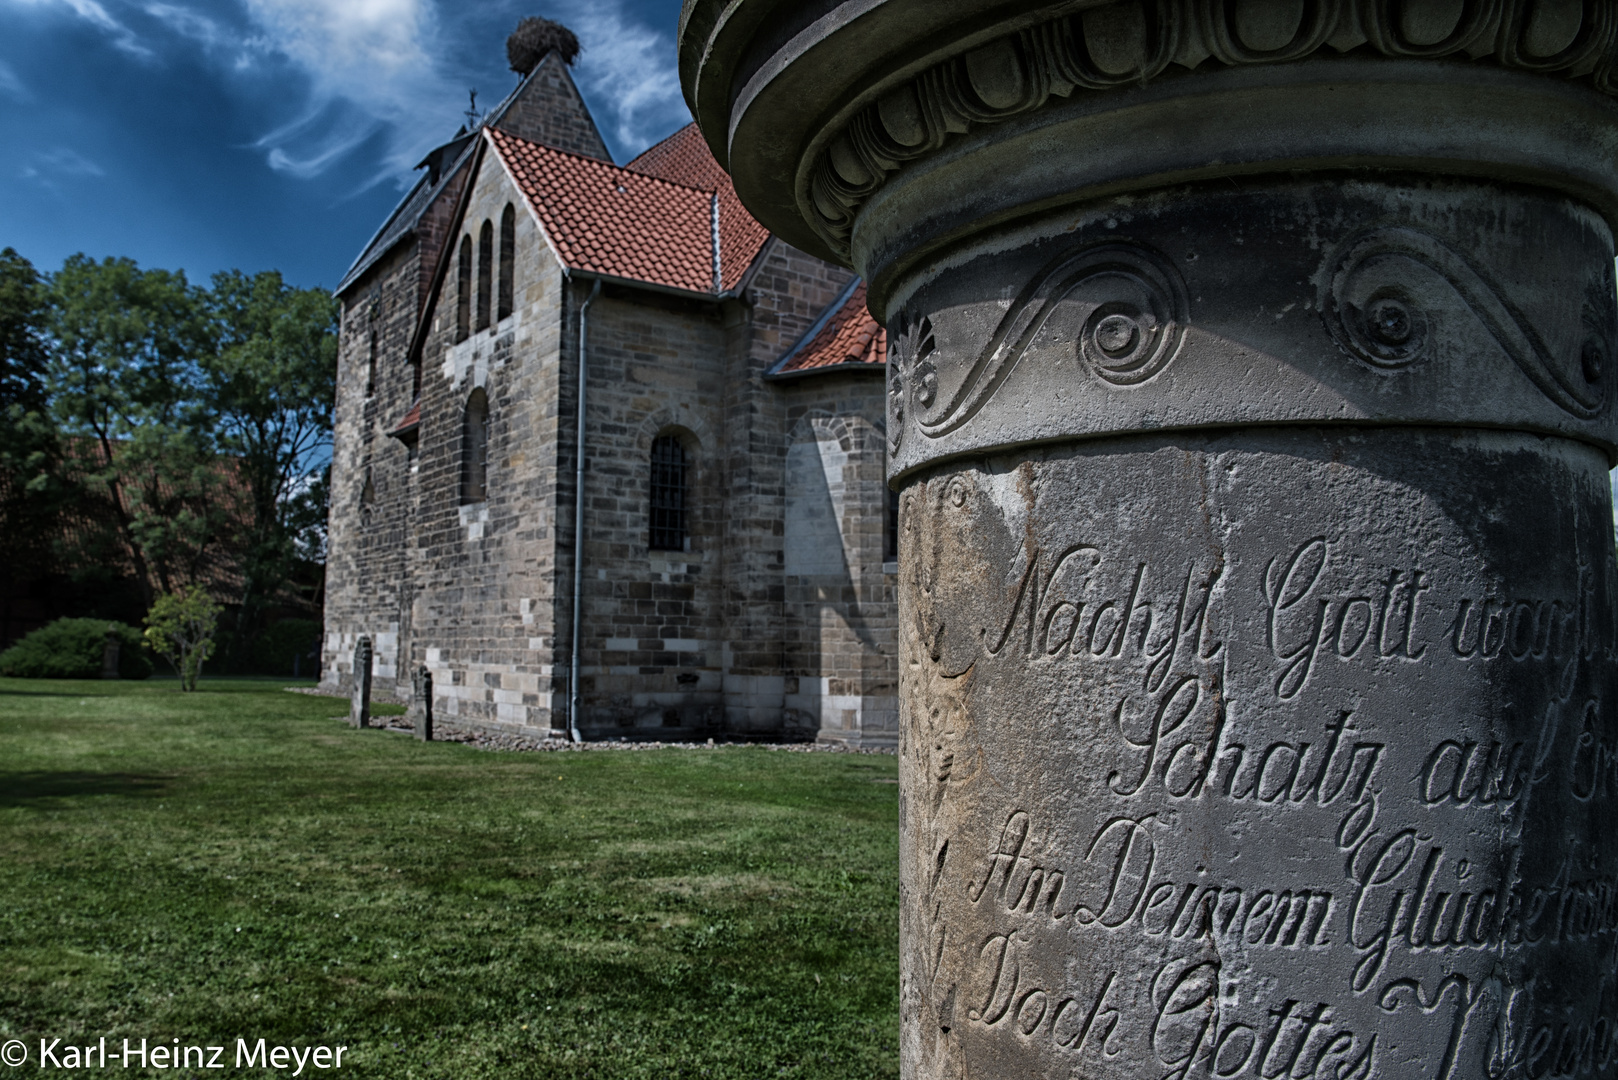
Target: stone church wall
<point>483,618</point>
<point>367,571</point>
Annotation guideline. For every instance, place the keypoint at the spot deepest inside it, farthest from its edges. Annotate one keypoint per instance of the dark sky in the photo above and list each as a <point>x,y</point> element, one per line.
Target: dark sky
<point>260,134</point>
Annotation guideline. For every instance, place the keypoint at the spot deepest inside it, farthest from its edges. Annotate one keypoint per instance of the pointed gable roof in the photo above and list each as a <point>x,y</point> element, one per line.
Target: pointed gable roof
<point>545,106</point>
<point>684,158</point>
<point>844,337</point>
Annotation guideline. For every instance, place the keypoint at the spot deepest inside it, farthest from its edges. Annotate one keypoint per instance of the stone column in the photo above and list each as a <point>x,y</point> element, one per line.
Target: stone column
<point>359,712</point>
<point>1250,400</point>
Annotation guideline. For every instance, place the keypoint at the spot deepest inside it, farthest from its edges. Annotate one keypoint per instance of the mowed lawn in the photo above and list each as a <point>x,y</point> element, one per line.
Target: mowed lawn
<point>235,863</point>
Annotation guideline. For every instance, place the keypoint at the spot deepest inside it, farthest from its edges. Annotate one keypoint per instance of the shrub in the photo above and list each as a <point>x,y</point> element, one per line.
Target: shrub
<point>180,629</point>
<point>278,644</point>
<point>72,649</point>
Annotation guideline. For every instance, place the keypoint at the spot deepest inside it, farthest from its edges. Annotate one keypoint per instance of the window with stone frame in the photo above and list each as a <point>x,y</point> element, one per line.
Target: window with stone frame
<point>669,496</point>
<point>508,263</point>
<point>463,293</point>
<point>485,273</point>
<point>370,366</point>
<point>475,448</point>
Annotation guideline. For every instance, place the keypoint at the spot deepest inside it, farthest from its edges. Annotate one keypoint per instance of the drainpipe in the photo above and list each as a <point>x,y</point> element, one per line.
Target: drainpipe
<point>578,529</point>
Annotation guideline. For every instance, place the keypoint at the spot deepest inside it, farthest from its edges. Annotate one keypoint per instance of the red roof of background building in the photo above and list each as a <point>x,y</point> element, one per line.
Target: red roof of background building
<point>633,222</point>
<point>684,158</point>
<point>848,336</point>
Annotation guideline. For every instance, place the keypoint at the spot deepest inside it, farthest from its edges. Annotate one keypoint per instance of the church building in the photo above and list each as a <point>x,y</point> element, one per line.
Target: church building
<point>724,546</point>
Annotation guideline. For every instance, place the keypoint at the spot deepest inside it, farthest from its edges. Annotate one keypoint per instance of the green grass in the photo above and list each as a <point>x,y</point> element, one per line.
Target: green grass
<point>237,863</point>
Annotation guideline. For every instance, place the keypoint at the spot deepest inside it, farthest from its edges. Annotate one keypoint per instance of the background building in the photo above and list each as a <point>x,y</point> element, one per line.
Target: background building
<point>737,575</point>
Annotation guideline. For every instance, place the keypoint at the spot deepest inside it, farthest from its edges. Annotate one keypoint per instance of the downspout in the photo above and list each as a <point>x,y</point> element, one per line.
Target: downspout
<point>578,529</point>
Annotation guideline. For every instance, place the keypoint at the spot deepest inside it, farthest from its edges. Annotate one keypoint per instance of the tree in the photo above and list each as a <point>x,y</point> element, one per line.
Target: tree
<point>268,392</point>
<point>28,445</point>
<point>126,387</point>
<point>180,628</point>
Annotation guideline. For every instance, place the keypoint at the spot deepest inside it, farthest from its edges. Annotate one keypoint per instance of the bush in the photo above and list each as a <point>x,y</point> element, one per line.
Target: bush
<point>71,649</point>
<point>278,644</point>
<point>180,628</point>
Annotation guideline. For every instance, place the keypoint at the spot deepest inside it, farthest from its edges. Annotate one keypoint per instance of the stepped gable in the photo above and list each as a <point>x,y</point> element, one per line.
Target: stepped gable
<point>844,336</point>
<point>684,158</point>
<point>607,220</point>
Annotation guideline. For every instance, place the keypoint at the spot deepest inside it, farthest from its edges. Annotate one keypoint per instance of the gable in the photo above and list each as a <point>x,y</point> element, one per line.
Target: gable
<point>548,109</point>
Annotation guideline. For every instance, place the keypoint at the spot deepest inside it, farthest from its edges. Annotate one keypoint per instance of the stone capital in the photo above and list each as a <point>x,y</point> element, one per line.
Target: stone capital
<point>868,124</point>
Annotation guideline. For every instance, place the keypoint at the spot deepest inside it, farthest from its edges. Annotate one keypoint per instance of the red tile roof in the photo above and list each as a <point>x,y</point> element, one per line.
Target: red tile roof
<point>612,221</point>
<point>651,221</point>
<point>849,335</point>
<point>684,158</point>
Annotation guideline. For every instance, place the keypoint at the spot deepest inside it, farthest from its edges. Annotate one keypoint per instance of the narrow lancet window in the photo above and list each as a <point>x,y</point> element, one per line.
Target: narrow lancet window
<point>508,263</point>
<point>463,294</point>
<point>668,518</point>
<point>485,273</point>
<point>475,448</point>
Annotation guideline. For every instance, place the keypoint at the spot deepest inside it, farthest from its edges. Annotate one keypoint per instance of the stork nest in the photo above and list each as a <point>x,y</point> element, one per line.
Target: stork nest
<point>533,38</point>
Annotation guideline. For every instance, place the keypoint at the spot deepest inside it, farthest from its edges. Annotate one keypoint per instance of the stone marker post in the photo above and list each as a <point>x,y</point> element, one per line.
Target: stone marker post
<point>1250,394</point>
<point>424,704</point>
<point>359,713</point>
<point>111,647</point>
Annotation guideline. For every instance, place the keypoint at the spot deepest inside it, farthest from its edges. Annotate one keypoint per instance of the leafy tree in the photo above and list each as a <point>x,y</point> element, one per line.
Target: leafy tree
<point>28,446</point>
<point>126,387</point>
<point>180,628</point>
<point>268,391</point>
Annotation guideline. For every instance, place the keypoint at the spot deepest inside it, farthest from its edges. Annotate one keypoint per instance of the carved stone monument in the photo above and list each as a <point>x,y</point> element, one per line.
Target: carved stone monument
<point>1251,408</point>
<point>359,712</point>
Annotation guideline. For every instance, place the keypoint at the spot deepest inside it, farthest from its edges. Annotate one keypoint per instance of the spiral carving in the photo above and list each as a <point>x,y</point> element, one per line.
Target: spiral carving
<point>1120,306</point>
<point>1130,42</point>
<point>1374,308</point>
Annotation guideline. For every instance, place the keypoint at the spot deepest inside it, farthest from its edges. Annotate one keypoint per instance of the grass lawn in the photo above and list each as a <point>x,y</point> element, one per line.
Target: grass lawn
<point>235,863</point>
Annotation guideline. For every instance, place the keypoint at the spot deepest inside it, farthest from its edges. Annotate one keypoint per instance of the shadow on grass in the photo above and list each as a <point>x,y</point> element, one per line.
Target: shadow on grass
<point>33,788</point>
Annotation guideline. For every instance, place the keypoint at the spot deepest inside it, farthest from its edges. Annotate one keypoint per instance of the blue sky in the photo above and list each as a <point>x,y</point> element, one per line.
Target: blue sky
<point>273,134</point>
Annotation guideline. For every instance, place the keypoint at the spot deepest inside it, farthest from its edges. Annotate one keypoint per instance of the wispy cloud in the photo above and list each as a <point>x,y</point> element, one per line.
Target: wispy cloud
<point>95,14</point>
<point>10,85</point>
<point>369,64</point>
<point>628,68</point>
<point>46,166</point>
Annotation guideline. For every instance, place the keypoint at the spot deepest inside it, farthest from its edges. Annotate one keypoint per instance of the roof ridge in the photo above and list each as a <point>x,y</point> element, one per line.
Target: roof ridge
<point>602,164</point>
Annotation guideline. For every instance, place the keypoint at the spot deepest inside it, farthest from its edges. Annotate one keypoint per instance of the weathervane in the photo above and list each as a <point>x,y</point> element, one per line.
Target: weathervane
<point>472,116</point>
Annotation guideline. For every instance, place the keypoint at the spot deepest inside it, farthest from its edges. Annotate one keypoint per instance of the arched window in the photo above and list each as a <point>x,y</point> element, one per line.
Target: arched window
<point>475,448</point>
<point>508,263</point>
<point>370,367</point>
<point>668,520</point>
<point>463,295</point>
<point>485,273</point>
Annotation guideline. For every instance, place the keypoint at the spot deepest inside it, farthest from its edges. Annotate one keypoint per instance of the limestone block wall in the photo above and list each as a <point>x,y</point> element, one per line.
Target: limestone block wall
<point>786,294</point>
<point>651,629</point>
<point>840,658</point>
<point>367,570</point>
<point>482,614</point>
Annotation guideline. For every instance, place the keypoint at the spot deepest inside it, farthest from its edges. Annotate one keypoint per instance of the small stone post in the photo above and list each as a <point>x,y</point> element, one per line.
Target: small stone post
<point>110,649</point>
<point>1250,397</point>
<point>423,693</point>
<point>359,714</point>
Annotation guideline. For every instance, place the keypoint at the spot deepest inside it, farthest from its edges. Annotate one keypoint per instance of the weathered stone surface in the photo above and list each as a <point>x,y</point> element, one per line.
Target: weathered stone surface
<point>422,704</point>
<point>1207,729</point>
<point>359,713</point>
<point>1251,405</point>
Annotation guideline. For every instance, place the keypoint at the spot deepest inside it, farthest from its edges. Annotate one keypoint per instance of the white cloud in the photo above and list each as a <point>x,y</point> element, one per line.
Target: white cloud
<point>368,63</point>
<point>628,68</point>
<point>10,85</point>
<point>46,165</point>
<point>92,12</point>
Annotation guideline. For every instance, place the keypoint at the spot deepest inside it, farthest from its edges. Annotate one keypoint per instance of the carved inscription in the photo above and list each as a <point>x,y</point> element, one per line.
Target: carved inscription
<point>1305,807</point>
